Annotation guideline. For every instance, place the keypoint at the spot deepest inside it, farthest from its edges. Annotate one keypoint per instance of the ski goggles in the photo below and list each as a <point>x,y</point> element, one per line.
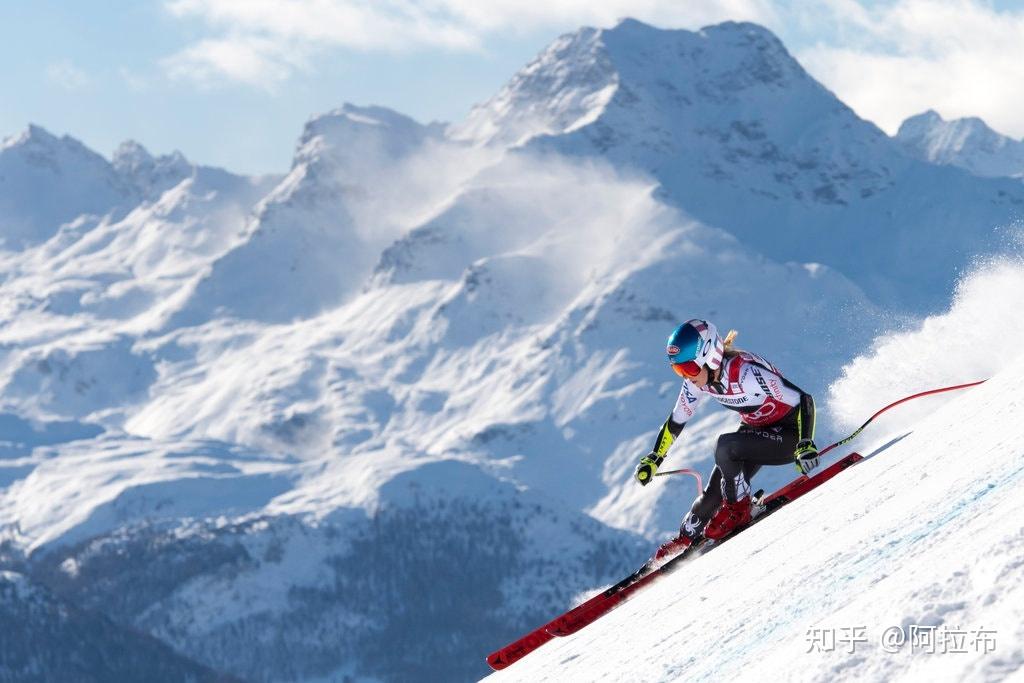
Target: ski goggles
<point>688,369</point>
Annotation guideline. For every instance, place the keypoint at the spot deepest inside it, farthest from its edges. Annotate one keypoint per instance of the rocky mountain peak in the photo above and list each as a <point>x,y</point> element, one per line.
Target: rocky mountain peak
<point>968,143</point>
<point>344,133</point>
<point>151,175</point>
<point>582,75</point>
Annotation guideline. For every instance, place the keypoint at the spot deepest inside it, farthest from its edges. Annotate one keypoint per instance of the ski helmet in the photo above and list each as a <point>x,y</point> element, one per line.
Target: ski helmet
<point>693,345</point>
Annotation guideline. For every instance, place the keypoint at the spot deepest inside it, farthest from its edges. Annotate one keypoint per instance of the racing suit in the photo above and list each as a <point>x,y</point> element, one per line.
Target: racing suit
<point>775,416</point>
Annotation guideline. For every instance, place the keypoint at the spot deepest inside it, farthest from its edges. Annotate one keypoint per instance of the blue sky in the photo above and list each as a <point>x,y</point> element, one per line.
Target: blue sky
<point>230,82</point>
<point>95,73</point>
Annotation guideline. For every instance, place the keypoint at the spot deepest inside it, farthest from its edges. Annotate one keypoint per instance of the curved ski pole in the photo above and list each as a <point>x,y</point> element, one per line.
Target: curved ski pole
<point>686,470</point>
<point>853,436</point>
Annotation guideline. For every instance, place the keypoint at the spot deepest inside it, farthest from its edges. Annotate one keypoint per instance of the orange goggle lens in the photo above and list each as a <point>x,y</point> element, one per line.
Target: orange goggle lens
<point>688,369</point>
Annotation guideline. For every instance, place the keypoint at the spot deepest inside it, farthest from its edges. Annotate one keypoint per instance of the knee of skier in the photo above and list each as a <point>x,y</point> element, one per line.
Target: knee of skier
<point>727,451</point>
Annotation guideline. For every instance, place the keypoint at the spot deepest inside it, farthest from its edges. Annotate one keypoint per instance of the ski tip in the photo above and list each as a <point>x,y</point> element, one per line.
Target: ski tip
<point>513,652</point>
<point>496,662</point>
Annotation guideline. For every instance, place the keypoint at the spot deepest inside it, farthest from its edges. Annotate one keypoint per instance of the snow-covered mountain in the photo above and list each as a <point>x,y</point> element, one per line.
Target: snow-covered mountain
<point>317,235</point>
<point>968,143</point>
<point>152,176</point>
<point>46,181</point>
<point>397,395</point>
<point>742,138</point>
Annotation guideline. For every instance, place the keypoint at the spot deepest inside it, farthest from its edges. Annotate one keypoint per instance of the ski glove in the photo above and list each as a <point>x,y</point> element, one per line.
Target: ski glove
<point>647,467</point>
<point>806,455</point>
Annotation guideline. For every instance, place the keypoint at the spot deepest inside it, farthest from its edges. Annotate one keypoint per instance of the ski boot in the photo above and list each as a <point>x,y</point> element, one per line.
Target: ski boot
<point>757,505</point>
<point>728,517</point>
<point>670,549</point>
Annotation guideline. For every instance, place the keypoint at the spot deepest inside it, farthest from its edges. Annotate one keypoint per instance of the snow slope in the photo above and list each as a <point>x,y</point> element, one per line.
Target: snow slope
<point>925,534</point>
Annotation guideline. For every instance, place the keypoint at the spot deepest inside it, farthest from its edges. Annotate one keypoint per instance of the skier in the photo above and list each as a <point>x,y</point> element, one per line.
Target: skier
<point>777,427</point>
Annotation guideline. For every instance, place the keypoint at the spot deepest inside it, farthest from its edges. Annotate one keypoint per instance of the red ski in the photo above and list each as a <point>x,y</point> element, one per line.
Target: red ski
<point>513,652</point>
<point>607,600</point>
<point>592,610</point>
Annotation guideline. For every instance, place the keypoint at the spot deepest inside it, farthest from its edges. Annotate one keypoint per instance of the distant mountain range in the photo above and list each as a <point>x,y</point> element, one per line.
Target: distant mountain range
<point>968,143</point>
<point>374,416</point>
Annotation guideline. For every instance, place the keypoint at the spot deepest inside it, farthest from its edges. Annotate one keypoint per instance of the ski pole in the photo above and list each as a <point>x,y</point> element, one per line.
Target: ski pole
<point>686,470</point>
<point>860,429</point>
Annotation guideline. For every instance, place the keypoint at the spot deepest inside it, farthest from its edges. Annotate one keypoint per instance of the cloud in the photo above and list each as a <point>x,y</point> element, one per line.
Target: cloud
<point>264,43</point>
<point>505,15</point>
<point>250,60</point>
<point>392,24</point>
<point>959,57</point>
<point>261,42</point>
<point>68,76</point>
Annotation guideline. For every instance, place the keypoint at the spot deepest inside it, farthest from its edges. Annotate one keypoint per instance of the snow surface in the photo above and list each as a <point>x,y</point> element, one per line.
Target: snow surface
<point>925,534</point>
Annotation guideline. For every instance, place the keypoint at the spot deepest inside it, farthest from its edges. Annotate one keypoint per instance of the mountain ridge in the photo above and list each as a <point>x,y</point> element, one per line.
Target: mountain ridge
<point>968,143</point>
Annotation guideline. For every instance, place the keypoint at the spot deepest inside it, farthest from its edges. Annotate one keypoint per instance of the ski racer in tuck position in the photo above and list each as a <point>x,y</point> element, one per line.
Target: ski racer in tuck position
<point>777,427</point>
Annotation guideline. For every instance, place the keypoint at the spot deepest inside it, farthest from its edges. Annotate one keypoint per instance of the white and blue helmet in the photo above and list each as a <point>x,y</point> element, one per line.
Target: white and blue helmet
<point>693,345</point>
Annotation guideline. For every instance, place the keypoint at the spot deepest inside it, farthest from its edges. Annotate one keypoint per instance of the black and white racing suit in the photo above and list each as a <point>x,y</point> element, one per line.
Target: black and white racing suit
<point>775,415</point>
